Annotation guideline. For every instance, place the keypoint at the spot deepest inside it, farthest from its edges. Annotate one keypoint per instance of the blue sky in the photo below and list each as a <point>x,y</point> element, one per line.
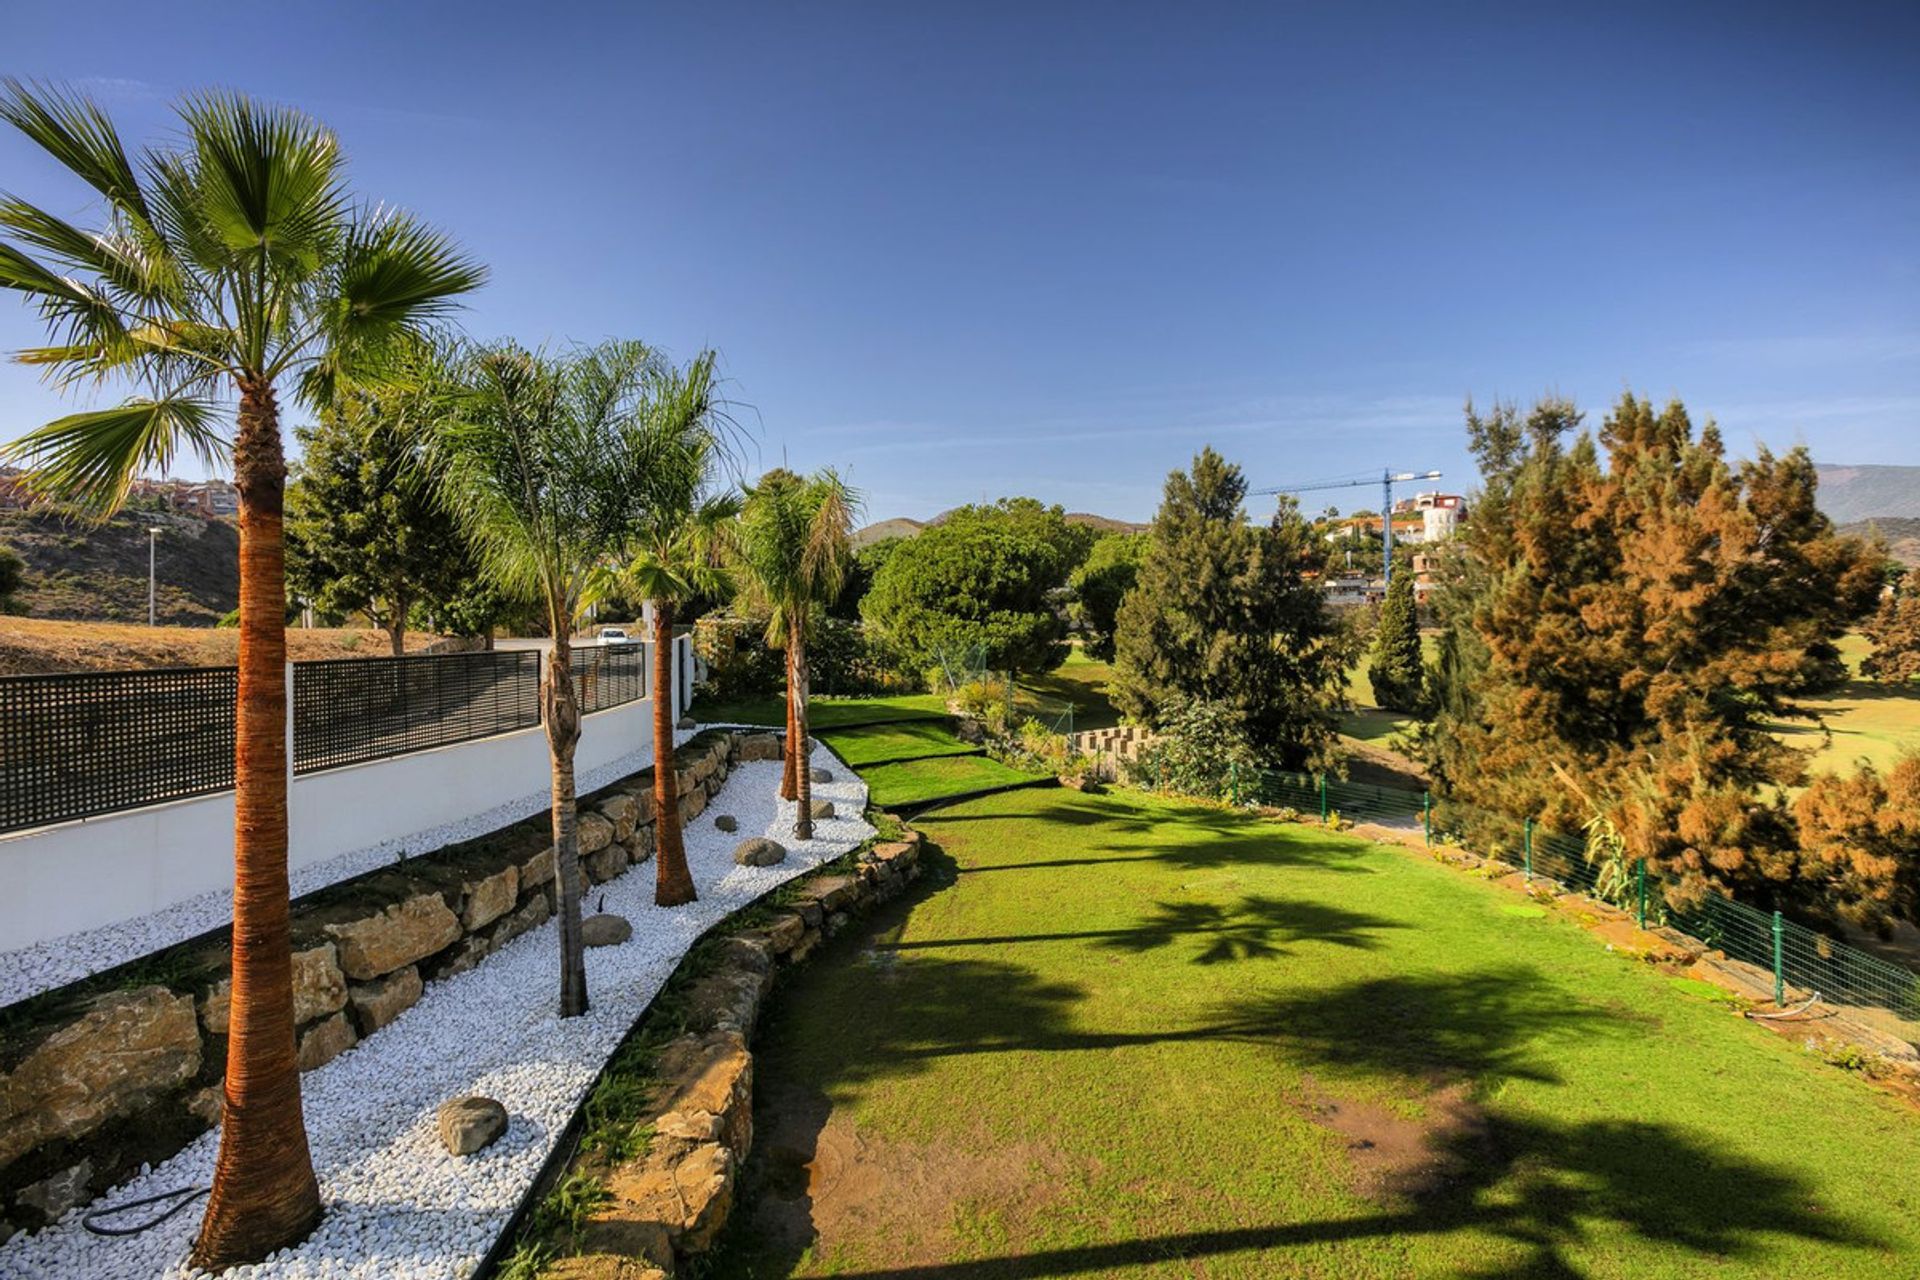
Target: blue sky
<point>971,250</point>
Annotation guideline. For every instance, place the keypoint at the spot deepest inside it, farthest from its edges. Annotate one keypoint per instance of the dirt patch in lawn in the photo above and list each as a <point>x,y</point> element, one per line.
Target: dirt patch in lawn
<point>1393,1156</point>
<point>816,1179</point>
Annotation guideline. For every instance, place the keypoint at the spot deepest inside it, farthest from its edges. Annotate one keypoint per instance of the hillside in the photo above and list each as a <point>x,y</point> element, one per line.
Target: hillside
<point>1902,536</point>
<point>903,527</point>
<point>34,646</point>
<point>75,569</point>
<point>1851,494</point>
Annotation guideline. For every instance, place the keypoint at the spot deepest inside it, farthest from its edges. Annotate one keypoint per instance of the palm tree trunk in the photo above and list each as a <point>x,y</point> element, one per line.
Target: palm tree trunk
<point>265,1196</point>
<point>673,881</point>
<point>798,746</point>
<point>561,710</point>
<point>789,779</point>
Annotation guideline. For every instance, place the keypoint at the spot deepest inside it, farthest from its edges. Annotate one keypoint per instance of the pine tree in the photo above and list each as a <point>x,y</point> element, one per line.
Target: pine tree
<point>1223,612</point>
<point>1622,630</point>
<point>1397,671</point>
<point>1860,833</point>
<point>1895,632</point>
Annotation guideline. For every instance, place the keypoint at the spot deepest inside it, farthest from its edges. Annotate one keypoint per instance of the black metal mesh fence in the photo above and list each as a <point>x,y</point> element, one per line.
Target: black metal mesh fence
<point>609,675</point>
<point>352,710</point>
<point>98,742</point>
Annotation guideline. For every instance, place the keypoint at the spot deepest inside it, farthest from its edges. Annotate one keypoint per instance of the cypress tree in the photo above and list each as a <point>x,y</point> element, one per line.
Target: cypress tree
<point>1397,672</point>
<point>1223,611</point>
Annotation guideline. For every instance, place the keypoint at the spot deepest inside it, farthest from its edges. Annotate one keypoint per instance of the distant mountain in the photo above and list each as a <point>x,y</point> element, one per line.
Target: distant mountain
<point>881,530</point>
<point>1852,494</point>
<point>902,527</point>
<point>1902,536</point>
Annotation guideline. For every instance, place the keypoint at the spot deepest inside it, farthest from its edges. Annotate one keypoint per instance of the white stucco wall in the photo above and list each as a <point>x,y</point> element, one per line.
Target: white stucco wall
<point>98,871</point>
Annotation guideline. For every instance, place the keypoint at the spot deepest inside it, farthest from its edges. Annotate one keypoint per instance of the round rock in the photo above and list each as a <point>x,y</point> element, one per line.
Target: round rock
<point>821,809</point>
<point>759,852</point>
<point>470,1123</point>
<point>820,775</point>
<point>726,822</point>
<point>605,930</point>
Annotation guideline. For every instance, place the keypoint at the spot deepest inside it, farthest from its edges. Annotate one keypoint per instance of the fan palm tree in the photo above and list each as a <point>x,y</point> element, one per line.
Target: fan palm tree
<point>674,454</point>
<point>230,266</point>
<point>795,542</point>
<point>529,458</point>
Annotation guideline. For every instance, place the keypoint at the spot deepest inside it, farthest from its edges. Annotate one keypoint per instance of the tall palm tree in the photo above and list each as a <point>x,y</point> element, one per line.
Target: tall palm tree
<point>674,453</point>
<point>230,266</point>
<point>795,542</point>
<point>529,457</point>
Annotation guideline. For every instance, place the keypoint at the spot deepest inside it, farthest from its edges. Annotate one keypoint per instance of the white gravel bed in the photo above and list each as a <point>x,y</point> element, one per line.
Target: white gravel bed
<point>57,961</point>
<point>398,1207</point>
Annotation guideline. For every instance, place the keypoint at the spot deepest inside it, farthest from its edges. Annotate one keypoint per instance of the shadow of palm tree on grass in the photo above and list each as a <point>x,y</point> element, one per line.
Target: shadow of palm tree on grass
<point>1256,928</point>
<point>1537,1195</point>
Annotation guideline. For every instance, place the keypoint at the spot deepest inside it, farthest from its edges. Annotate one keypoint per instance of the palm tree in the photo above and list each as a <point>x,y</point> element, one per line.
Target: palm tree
<point>230,265</point>
<point>674,452</point>
<point>529,458</point>
<point>795,541</point>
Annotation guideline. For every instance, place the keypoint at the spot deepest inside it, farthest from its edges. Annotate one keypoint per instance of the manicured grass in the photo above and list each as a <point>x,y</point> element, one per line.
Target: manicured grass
<point>827,713</point>
<point>1080,681</point>
<point>919,782</point>
<point>1868,720</point>
<point>901,740</point>
<point>1119,1036</point>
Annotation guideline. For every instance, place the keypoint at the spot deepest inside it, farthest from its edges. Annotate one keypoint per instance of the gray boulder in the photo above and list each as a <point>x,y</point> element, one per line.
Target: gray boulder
<point>726,822</point>
<point>470,1123</point>
<point>605,930</point>
<point>759,852</point>
<point>821,809</point>
<point>820,775</point>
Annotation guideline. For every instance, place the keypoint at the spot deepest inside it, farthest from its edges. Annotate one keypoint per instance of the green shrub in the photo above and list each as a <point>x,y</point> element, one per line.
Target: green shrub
<point>1197,748</point>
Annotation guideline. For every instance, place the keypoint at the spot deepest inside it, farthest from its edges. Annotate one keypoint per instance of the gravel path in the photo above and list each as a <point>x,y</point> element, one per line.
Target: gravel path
<point>57,961</point>
<point>398,1207</point>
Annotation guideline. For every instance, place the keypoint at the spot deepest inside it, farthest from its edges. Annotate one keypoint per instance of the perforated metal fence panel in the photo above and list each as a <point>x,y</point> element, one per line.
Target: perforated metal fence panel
<point>87,743</point>
<point>352,710</point>
<point>609,675</point>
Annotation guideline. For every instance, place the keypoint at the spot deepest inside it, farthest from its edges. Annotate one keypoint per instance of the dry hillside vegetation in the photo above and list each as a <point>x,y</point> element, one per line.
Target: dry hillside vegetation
<point>33,646</point>
<point>78,569</point>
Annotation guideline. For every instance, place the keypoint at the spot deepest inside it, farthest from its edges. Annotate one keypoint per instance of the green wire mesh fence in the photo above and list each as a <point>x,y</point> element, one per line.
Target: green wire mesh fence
<point>1802,960</point>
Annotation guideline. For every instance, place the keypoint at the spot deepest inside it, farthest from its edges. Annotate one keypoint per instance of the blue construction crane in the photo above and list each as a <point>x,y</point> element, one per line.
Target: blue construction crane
<point>1387,480</point>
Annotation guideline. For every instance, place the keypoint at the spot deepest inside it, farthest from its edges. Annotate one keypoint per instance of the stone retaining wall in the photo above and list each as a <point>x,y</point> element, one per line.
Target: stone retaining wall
<point>123,1070</point>
<point>670,1203</point>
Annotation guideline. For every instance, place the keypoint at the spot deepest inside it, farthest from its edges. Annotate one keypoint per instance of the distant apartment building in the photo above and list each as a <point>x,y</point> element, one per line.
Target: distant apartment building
<point>208,499</point>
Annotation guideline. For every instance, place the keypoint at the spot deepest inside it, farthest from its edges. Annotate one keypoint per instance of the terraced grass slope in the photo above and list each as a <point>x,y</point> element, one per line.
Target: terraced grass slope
<point>899,740</point>
<point>1120,1036</point>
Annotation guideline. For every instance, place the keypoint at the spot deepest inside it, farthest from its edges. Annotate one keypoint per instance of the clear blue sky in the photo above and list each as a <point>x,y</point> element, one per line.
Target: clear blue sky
<point>980,249</point>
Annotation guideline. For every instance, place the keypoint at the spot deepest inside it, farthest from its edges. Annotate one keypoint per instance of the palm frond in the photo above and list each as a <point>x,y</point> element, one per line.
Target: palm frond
<point>89,459</point>
<point>396,276</point>
<point>74,131</point>
<point>119,261</point>
<point>268,181</point>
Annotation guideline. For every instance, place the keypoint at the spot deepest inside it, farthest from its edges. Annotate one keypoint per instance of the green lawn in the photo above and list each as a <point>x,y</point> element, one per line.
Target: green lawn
<point>1080,681</point>
<point>899,740</point>
<point>1868,720</point>
<point>920,782</point>
<point>827,713</point>
<point>1120,1036</point>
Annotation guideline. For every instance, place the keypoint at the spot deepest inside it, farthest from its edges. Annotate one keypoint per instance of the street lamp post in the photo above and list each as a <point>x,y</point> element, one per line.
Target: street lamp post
<point>153,541</point>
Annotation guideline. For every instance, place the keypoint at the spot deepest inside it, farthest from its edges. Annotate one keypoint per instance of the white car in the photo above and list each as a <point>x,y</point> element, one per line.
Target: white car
<point>614,635</point>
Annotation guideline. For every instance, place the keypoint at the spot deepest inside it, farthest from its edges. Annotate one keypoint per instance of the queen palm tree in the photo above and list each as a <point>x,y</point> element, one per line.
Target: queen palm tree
<point>674,453</point>
<point>230,266</point>
<point>529,458</point>
<point>795,542</point>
